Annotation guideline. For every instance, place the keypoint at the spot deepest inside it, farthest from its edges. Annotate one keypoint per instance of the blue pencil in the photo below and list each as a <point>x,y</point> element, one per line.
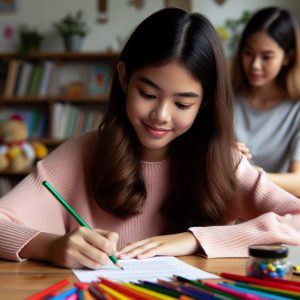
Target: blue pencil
<point>262,294</point>
<point>65,294</point>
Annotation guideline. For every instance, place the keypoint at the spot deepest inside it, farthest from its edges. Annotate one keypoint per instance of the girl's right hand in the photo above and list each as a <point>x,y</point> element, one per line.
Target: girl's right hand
<point>246,151</point>
<point>78,249</point>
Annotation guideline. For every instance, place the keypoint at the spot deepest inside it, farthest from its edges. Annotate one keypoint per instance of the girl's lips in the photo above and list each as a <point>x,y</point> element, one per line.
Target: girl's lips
<point>156,132</point>
<point>255,76</point>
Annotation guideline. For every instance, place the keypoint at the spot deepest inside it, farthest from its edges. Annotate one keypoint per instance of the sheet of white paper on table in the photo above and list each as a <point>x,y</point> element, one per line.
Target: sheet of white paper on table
<point>150,269</point>
<point>294,254</point>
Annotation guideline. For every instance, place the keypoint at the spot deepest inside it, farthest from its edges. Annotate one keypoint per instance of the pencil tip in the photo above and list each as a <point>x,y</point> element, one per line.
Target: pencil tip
<point>122,268</point>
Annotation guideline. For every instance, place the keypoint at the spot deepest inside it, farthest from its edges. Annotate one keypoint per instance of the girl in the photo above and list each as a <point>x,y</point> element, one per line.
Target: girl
<point>162,175</point>
<point>266,80</point>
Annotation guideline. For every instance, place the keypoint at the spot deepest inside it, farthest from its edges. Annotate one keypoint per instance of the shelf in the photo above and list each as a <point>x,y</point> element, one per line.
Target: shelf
<point>47,99</point>
<point>63,56</point>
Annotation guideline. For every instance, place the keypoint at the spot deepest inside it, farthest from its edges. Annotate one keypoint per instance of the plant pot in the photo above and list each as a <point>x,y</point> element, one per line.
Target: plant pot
<point>73,42</point>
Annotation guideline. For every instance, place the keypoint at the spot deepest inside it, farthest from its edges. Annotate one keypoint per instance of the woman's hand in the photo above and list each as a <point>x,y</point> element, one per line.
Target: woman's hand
<point>78,249</point>
<point>246,151</point>
<point>175,244</point>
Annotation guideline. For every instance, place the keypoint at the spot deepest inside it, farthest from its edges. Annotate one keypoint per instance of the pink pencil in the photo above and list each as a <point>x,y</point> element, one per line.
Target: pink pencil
<point>231,291</point>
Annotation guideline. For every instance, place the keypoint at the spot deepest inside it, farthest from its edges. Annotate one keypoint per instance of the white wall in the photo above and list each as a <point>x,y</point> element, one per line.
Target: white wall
<point>122,18</point>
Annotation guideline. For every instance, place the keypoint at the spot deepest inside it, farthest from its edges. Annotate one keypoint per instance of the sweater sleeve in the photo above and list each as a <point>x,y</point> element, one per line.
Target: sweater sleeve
<point>272,217</point>
<point>29,208</point>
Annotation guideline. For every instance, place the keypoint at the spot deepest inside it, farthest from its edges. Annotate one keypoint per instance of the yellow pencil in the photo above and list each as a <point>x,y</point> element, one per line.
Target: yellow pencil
<point>156,295</point>
<point>114,293</point>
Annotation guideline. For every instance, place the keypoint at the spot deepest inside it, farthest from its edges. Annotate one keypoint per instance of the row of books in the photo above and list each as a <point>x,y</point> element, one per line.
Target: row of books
<point>24,78</point>
<point>70,121</point>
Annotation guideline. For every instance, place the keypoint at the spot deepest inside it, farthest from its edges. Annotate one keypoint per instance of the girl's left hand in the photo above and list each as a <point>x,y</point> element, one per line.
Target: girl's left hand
<point>174,244</point>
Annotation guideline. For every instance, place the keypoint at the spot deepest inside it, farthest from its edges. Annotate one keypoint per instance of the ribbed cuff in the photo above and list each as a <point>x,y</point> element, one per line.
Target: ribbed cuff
<point>13,238</point>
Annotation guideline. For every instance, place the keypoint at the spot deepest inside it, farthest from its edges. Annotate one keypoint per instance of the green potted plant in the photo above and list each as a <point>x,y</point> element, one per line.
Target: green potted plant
<point>30,40</point>
<point>72,28</point>
<point>231,30</point>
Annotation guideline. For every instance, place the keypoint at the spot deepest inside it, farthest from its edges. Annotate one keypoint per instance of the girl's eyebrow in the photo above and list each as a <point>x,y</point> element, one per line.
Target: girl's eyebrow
<point>248,47</point>
<point>154,85</point>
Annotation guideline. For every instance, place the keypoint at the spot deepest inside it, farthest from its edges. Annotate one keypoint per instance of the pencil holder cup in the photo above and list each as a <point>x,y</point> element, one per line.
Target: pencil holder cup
<point>266,261</point>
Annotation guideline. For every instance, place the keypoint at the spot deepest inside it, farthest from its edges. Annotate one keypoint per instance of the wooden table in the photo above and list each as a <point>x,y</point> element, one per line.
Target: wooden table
<point>19,280</point>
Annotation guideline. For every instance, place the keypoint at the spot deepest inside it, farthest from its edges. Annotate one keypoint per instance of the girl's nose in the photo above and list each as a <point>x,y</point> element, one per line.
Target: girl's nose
<point>256,63</point>
<point>161,113</point>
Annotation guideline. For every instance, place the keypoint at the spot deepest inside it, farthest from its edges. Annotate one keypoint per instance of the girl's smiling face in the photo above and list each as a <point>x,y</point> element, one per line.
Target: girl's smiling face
<point>262,59</point>
<point>162,104</point>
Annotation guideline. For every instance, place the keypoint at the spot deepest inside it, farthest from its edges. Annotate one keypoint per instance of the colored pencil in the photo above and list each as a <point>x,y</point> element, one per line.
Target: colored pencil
<point>261,294</point>
<point>285,281</point>
<point>153,294</point>
<point>187,289</point>
<point>114,293</point>
<point>260,282</point>
<point>88,295</point>
<point>65,294</point>
<point>159,288</point>
<point>70,209</point>
<point>96,293</point>
<point>246,296</point>
<point>49,290</point>
<point>124,290</point>
<point>203,287</point>
<point>267,289</point>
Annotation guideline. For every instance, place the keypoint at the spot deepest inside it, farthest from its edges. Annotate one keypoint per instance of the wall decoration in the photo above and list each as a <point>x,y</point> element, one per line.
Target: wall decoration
<point>183,4</point>
<point>220,1</point>
<point>138,4</point>
<point>102,11</point>
<point>9,38</point>
<point>7,6</point>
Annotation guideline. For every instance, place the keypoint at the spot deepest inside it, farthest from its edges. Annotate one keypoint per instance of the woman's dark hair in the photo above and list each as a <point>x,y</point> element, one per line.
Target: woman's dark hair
<point>201,160</point>
<point>282,27</point>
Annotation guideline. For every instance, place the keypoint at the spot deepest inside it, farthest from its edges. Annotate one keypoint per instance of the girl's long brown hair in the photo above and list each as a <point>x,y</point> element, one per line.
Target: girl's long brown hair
<point>202,169</point>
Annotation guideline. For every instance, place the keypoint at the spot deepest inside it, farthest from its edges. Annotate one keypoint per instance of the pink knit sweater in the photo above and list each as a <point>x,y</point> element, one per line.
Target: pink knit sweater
<point>273,214</point>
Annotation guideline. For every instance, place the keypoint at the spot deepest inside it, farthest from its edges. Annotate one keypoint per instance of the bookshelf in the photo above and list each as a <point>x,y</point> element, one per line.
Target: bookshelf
<point>59,95</point>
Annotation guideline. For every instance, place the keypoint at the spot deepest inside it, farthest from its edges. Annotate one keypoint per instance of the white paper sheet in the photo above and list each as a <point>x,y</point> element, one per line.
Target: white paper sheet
<point>294,254</point>
<point>149,269</point>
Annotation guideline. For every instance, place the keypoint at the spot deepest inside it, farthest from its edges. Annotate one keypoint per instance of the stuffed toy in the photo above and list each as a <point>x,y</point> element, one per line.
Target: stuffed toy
<point>16,153</point>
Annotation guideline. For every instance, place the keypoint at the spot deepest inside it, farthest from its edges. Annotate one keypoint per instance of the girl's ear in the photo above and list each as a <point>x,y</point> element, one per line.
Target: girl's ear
<point>122,75</point>
<point>288,57</point>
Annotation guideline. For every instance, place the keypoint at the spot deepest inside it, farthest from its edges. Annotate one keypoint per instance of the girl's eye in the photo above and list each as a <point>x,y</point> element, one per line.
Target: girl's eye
<point>146,95</point>
<point>183,106</point>
<point>247,52</point>
<point>267,57</point>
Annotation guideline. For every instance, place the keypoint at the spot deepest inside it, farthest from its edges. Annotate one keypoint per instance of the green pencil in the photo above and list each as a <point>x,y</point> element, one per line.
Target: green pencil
<point>63,202</point>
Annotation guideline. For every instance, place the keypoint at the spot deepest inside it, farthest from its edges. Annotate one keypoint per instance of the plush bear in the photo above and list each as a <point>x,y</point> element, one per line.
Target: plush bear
<point>16,154</point>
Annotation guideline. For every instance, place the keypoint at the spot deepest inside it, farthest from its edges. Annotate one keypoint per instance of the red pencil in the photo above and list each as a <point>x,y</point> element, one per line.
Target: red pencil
<point>262,282</point>
<point>124,289</point>
<point>285,281</point>
<point>48,291</point>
